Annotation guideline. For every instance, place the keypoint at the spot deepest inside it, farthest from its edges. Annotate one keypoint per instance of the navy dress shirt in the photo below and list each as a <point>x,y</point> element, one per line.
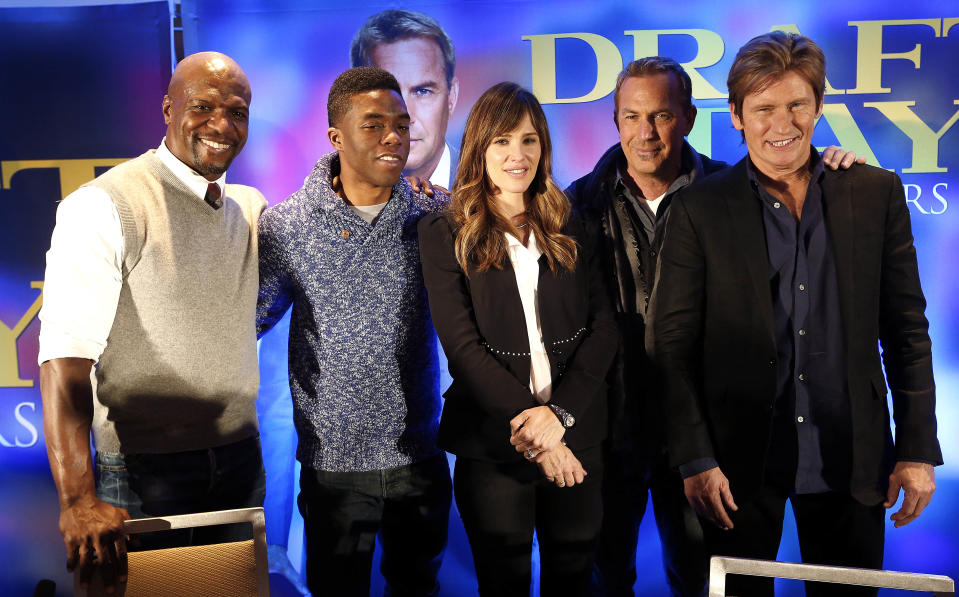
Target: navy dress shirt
<point>811,444</point>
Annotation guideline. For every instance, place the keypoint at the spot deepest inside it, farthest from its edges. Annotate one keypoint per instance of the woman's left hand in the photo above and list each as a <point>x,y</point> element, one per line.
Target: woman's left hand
<point>560,467</point>
<point>536,429</point>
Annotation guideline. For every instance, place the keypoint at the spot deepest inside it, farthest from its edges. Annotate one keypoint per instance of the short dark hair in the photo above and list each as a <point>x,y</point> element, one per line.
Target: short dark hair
<point>356,80</point>
<point>655,65</point>
<point>767,57</point>
<point>394,25</point>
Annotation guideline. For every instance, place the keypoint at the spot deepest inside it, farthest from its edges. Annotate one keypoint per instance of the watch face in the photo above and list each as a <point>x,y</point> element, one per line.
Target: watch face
<point>568,421</point>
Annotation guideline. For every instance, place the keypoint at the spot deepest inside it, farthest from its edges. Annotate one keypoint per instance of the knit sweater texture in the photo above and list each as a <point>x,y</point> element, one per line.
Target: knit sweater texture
<point>364,372</point>
<point>179,371</point>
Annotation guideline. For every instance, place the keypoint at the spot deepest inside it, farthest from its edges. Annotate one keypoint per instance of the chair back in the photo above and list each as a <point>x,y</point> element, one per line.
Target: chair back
<point>719,567</point>
<point>236,569</point>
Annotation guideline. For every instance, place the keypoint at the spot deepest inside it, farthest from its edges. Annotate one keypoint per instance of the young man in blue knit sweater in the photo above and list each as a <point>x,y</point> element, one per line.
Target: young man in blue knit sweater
<point>343,252</point>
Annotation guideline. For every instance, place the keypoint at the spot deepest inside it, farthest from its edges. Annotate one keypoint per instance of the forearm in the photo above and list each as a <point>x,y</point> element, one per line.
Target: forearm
<point>67,417</point>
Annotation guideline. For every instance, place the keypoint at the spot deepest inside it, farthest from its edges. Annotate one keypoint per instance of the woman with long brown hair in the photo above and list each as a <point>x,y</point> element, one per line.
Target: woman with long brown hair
<point>518,303</point>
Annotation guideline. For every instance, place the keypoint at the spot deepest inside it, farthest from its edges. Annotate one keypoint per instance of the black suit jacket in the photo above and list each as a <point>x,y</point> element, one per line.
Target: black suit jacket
<point>711,327</point>
<point>479,320</point>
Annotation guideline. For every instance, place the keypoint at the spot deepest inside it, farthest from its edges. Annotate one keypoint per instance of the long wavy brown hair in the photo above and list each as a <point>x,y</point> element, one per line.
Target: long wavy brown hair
<point>481,226</point>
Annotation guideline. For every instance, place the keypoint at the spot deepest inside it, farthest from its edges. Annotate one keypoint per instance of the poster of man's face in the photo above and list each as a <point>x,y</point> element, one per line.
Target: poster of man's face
<point>416,50</point>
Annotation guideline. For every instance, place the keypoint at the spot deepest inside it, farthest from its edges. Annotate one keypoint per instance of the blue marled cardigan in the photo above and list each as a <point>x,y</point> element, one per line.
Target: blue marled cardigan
<point>363,363</point>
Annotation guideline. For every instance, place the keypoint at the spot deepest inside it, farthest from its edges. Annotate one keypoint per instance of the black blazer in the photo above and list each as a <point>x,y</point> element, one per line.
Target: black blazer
<point>711,326</point>
<point>479,320</point>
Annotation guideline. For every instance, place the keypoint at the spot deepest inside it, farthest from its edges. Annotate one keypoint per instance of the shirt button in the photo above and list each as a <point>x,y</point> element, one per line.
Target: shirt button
<point>345,233</point>
<point>802,332</point>
<point>777,204</point>
<point>802,377</point>
<point>802,287</point>
<point>800,419</point>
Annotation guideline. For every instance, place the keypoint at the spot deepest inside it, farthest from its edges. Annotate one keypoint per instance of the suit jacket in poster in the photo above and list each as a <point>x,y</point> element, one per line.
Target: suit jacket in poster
<point>711,327</point>
<point>480,323</point>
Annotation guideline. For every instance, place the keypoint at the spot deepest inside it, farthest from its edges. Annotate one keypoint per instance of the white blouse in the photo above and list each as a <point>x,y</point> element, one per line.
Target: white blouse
<point>525,260</point>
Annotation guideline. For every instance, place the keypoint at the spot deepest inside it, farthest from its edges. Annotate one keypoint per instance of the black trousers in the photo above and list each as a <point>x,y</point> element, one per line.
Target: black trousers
<point>502,503</point>
<point>627,485</point>
<point>833,529</point>
<point>344,512</point>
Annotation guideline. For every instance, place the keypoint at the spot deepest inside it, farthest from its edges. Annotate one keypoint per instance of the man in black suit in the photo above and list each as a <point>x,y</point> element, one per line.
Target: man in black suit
<point>777,280</point>
<point>628,195</point>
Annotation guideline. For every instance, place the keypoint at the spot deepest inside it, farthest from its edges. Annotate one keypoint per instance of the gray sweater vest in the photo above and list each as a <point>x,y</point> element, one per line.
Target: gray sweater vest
<point>179,371</point>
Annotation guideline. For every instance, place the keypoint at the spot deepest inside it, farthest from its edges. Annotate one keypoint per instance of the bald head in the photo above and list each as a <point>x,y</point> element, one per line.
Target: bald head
<point>206,110</point>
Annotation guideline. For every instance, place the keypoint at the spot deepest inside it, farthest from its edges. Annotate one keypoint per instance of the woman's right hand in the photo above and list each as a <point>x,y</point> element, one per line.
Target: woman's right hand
<point>560,466</point>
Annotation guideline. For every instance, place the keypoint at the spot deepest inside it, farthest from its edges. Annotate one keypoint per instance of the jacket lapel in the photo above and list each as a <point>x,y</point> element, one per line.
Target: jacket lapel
<point>746,216</point>
<point>502,294</point>
<point>838,212</point>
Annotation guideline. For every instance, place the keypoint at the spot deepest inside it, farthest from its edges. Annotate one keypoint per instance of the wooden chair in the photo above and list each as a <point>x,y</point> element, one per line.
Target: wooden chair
<point>237,569</point>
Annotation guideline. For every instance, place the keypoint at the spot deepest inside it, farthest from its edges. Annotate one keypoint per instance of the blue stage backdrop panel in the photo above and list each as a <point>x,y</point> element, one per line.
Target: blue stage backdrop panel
<point>889,99</point>
<point>81,90</point>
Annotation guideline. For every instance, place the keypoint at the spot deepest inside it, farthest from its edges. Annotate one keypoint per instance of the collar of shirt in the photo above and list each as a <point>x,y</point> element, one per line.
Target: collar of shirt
<point>318,190</point>
<point>523,253</point>
<point>441,175</point>
<point>186,174</point>
<point>690,170</point>
<point>816,167</point>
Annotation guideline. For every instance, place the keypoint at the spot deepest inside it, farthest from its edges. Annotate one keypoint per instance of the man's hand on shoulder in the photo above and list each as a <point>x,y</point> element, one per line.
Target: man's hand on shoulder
<point>836,157</point>
<point>918,482</point>
<point>424,186</point>
<point>709,495</point>
<point>93,528</point>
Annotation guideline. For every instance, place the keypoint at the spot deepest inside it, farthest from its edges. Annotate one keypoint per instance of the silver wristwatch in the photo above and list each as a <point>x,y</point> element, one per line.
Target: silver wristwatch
<point>566,419</point>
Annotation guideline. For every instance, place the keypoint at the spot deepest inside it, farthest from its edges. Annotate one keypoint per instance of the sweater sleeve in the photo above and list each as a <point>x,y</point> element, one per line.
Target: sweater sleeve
<point>275,295</point>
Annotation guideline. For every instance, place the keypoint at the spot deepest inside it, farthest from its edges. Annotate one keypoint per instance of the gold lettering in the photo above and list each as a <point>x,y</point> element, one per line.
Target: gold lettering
<point>869,54</point>
<point>701,137</point>
<point>73,173</point>
<point>9,363</point>
<point>711,48</point>
<point>830,90</point>
<point>543,49</point>
<point>848,134</point>
<point>947,25</point>
<point>925,141</point>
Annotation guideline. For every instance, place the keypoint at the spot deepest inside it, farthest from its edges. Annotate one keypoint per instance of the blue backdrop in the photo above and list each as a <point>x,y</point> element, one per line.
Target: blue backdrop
<point>81,90</point>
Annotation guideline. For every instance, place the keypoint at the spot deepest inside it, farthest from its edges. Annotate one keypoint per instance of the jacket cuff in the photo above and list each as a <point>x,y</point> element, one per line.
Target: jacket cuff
<point>700,465</point>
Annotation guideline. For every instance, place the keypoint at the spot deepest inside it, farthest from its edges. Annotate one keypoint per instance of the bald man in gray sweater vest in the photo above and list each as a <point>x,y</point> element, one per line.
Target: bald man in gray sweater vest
<point>151,284</point>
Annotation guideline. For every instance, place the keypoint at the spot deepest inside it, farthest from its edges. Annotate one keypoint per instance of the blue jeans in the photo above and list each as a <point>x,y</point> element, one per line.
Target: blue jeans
<point>219,478</point>
<point>343,512</point>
